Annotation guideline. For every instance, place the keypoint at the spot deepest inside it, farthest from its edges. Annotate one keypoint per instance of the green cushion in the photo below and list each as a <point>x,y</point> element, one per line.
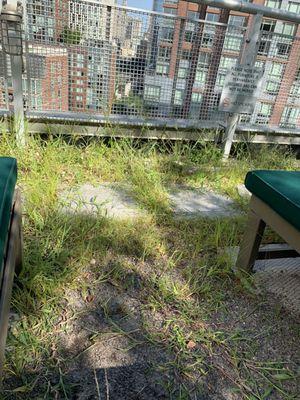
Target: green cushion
<point>8,178</point>
<point>280,190</point>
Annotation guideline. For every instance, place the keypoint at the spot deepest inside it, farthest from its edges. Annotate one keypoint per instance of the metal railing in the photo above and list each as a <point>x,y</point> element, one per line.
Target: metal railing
<point>89,62</point>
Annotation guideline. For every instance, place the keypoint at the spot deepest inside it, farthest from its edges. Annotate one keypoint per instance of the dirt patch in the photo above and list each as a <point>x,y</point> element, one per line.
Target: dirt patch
<point>111,345</point>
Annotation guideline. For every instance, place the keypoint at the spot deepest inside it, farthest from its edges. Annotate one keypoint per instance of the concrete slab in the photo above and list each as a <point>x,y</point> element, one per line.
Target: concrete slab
<point>110,200</point>
<point>190,203</point>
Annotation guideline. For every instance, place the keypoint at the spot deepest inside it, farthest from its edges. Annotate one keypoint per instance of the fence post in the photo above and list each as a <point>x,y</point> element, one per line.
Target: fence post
<point>11,32</point>
<point>248,59</point>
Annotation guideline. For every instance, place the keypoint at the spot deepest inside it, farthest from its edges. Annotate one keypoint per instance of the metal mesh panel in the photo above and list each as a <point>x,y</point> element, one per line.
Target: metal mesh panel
<point>85,59</point>
<point>280,278</point>
<point>94,59</point>
<point>3,83</point>
<point>3,80</point>
<point>279,101</point>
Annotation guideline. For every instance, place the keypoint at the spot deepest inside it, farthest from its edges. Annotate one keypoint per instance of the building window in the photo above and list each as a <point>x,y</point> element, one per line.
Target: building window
<point>283,49</point>
<point>260,64</point>
<point>164,54</point>
<point>152,93</point>
<point>294,7</point>
<point>274,78</point>
<point>264,46</point>
<point>35,89</point>
<point>167,34</point>
<point>182,72</point>
<point>233,42</point>
<point>207,39</point>
<point>80,60</point>
<point>264,114</point>
<point>77,73</point>
<point>162,69</point>
<point>172,2</point>
<point>204,59</point>
<point>268,25</point>
<point>288,29</point>
<point>212,17</point>
<point>77,60</point>
<point>265,109</point>
<point>188,36</point>
<point>273,3</point>
<point>172,11</point>
<point>272,87</point>
<point>277,70</point>
<point>225,64</point>
<point>209,29</point>
<point>295,89</point>
<point>200,76</point>
<point>202,67</point>
<point>178,99</point>
<point>193,15</point>
<point>290,117</point>
<point>186,55</point>
<point>196,97</point>
<point>166,22</point>
<point>236,20</point>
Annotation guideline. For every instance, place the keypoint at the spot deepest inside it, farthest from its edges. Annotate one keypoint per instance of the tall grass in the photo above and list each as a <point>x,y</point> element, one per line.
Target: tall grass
<point>59,247</point>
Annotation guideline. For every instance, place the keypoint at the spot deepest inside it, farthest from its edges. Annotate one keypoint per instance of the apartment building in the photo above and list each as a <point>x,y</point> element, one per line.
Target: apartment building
<point>109,55</point>
<point>47,84</point>
<point>87,56</point>
<point>189,64</point>
<point>85,31</point>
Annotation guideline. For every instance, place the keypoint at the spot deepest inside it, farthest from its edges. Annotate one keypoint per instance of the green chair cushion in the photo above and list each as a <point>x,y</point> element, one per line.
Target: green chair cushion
<point>280,190</point>
<point>8,179</point>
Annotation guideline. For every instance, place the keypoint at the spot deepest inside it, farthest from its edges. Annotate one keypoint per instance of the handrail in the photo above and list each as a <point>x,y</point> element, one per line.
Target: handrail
<point>250,8</point>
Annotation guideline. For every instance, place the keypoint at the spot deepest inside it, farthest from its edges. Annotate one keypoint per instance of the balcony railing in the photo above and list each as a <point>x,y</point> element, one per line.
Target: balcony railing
<point>84,61</point>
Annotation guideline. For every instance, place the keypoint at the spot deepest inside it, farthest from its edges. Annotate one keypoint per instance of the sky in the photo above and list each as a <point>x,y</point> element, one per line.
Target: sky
<point>145,4</point>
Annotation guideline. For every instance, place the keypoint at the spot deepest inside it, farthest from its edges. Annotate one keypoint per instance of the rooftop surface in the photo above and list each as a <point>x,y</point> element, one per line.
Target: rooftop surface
<point>146,307</point>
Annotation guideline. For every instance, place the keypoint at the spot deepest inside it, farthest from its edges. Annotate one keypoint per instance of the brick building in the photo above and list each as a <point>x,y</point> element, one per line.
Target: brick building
<point>88,55</point>
<point>189,65</point>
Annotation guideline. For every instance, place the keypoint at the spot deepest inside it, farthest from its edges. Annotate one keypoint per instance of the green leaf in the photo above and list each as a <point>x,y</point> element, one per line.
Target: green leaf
<point>267,393</point>
<point>21,389</point>
<point>282,377</point>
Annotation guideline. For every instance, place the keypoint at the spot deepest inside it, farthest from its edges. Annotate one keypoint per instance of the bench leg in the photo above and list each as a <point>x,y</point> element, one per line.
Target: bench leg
<point>251,241</point>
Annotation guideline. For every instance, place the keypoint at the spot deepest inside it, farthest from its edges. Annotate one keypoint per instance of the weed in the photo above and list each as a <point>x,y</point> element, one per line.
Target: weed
<point>175,270</point>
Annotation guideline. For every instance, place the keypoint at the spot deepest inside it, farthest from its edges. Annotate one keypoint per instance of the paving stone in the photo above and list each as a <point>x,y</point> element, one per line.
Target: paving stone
<point>108,199</point>
<point>189,202</point>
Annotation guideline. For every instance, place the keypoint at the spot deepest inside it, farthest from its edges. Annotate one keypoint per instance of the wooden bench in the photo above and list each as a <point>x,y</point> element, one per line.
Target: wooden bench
<point>10,242</point>
<point>275,202</point>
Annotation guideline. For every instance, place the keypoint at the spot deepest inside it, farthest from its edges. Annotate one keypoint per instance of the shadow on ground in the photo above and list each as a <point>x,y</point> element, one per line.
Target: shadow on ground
<point>116,338</point>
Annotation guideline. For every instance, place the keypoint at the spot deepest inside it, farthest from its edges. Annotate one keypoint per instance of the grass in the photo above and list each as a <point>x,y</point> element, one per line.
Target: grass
<point>183,282</point>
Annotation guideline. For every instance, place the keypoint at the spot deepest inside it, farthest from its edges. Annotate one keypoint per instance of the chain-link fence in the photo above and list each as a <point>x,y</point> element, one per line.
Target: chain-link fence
<point>89,61</point>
